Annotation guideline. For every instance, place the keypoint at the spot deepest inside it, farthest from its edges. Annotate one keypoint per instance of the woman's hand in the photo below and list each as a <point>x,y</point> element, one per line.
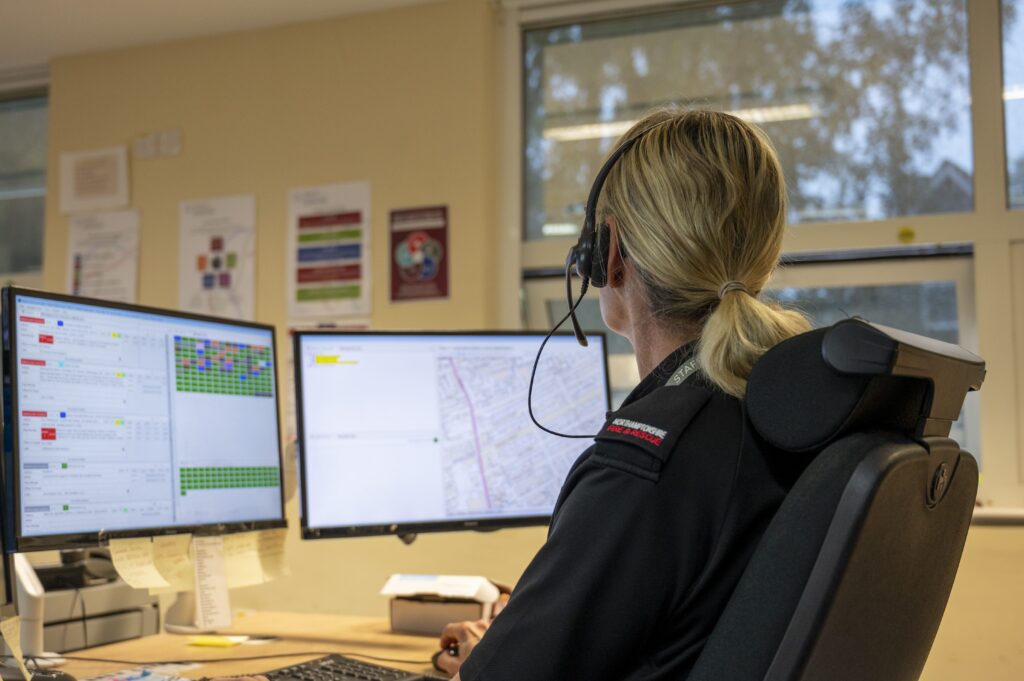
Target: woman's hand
<point>460,636</point>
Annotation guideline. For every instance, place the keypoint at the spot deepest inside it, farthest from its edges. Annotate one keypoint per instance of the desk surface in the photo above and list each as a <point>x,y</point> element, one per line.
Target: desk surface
<point>310,633</point>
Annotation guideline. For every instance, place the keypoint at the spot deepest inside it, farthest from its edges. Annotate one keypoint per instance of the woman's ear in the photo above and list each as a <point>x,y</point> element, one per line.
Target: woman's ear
<point>616,264</point>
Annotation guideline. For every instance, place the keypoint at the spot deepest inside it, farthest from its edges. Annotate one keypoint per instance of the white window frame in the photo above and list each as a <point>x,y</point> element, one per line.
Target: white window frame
<point>991,228</point>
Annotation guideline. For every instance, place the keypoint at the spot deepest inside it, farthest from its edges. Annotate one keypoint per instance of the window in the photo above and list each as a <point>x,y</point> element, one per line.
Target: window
<point>868,102</point>
<point>1013,98</point>
<point>926,295</point>
<point>22,183</point>
<point>929,296</point>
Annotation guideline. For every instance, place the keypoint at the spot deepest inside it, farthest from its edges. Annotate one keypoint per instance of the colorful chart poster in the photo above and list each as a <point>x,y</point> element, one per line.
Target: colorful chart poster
<point>218,257</point>
<point>103,255</point>
<point>419,253</point>
<point>329,250</point>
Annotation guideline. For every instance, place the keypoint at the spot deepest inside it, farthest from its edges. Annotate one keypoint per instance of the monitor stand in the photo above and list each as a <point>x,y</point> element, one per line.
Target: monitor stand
<point>30,607</point>
<point>181,616</point>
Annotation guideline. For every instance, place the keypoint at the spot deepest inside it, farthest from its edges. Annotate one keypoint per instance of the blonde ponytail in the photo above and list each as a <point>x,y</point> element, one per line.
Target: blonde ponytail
<point>700,204</point>
<point>738,331</point>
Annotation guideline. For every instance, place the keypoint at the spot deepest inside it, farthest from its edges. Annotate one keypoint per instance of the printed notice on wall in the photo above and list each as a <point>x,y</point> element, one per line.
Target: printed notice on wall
<point>328,265</point>
<point>218,257</point>
<point>103,255</point>
<point>90,180</point>
<point>419,253</point>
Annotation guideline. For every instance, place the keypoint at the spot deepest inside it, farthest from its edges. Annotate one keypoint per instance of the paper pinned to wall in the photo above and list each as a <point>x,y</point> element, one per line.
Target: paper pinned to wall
<point>242,566</point>
<point>103,255</point>
<point>173,560</point>
<point>328,267</point>
<point>273,556</point>
<point>213,608</point>
<point>133,560</point>
<point>217,263</point>
<point>94,179</point>
<point>10,628</point>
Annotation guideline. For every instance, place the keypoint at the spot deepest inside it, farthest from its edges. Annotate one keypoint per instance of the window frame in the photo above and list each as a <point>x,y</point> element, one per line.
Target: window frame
<point>991,228</point>
<point>29,85</point>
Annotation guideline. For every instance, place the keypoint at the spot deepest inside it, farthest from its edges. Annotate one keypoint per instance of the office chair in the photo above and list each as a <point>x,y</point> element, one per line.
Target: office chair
<point>850,580</point>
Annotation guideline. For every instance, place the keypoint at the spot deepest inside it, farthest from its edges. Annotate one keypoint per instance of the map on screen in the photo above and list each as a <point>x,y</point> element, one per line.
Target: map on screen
<point>432,428</point>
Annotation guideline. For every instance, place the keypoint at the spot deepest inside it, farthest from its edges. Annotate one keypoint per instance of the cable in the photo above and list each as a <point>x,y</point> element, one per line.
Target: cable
<point>536,361</point>
<point>85,622</point>
<point>211,660</point>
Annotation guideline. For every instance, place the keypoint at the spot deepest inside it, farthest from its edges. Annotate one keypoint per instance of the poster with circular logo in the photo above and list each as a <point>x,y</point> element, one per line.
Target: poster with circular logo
<point>419,253</point>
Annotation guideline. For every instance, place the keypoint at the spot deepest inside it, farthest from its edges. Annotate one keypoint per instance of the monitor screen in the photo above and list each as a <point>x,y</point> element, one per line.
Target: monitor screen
<point>130,420</point>
<point>405,433</point>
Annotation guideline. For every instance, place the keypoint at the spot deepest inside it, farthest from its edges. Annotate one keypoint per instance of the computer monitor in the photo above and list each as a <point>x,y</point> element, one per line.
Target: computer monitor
<point>402,433</point>
<point>124,420</point>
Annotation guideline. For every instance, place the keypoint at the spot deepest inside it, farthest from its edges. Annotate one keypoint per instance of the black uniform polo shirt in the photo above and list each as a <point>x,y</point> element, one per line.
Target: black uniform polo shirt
<point>651,532</point>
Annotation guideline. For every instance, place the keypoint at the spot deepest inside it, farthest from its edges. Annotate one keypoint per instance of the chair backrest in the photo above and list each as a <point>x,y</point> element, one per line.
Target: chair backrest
<point>852,576</point>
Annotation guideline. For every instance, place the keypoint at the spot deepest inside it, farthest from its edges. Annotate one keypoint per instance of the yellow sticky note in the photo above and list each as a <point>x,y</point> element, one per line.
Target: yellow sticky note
<point>242,565</point>
<point>133,560</point>
<point>272,553</point>
<point>11,630</point>
<point>173,560</point>
<point>216,641</point>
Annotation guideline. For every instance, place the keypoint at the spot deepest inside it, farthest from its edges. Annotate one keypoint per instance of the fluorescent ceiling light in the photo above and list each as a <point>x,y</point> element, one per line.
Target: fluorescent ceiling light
<point>1013,92</point>
<point>764,114</point>
<point>560,229</point>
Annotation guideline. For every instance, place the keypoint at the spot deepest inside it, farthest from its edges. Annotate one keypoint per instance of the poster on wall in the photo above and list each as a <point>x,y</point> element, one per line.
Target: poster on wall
<point>328,266</point>
<point>103,255</point>
<point>218,257</point>
<point>90,180</point>
<point>419,253</point>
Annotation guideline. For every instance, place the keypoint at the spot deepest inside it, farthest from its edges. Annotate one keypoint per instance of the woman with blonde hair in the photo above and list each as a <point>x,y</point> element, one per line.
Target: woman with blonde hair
<point>657,520</point>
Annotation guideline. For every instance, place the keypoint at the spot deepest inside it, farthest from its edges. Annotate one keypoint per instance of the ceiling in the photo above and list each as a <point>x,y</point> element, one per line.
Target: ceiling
<point>32,32</point>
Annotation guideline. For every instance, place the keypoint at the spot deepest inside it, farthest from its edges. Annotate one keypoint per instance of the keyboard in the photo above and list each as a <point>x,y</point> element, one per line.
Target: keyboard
<point>341,668</point>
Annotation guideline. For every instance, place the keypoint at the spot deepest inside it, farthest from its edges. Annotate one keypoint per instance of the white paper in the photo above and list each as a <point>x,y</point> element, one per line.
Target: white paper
<point>10,629</point>
<point>217,265</point>
<point>328,266</point>
<point>173,560</point>
<point>213,609</point>
<point>242,565</point>
<point>94,179</point>
<point>103,255</point>
<point>133,560</point>
<point>449,586</point>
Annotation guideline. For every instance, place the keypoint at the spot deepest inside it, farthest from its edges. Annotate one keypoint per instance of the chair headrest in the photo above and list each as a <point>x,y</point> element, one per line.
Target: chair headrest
<point>816,387</point>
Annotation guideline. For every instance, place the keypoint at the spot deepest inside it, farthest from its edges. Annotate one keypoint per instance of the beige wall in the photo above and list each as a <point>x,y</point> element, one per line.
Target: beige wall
<point>406,100</point>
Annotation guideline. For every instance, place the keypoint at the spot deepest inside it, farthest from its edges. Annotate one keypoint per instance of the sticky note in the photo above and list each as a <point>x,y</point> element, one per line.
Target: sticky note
<point>216,641</point>
<point>10,628</point>
<point>242,565</point>
<point>173,560</point>
<point>213,608</point>
<point>272,553</point>
<point>133,560</point>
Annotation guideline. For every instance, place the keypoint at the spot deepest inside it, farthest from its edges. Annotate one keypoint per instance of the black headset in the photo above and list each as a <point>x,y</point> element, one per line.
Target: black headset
<point>590,258</point>
<point>590,254</point>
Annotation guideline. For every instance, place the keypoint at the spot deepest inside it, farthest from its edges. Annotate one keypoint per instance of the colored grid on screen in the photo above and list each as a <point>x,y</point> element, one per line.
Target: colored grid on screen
<point>222,367</point>
<point>228,477</point>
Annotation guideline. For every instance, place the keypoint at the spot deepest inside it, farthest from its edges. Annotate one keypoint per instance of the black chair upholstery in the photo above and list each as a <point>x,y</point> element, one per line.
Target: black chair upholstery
<point>852,576</point>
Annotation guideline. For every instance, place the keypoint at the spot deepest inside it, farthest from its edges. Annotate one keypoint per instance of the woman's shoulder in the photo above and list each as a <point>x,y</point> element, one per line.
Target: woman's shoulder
<point>641,437</point>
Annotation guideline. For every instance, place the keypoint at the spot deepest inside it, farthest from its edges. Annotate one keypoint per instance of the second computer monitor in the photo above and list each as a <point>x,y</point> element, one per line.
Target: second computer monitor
<point>126,420</point>
<point>405,433</point>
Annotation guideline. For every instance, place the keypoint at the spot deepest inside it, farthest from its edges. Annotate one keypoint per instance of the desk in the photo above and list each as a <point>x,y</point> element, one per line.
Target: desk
<point>299,632</point>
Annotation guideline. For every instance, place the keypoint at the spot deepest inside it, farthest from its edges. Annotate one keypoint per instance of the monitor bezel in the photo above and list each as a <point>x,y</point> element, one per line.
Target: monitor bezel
<point>13,453</point>
<point>401,529</point>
